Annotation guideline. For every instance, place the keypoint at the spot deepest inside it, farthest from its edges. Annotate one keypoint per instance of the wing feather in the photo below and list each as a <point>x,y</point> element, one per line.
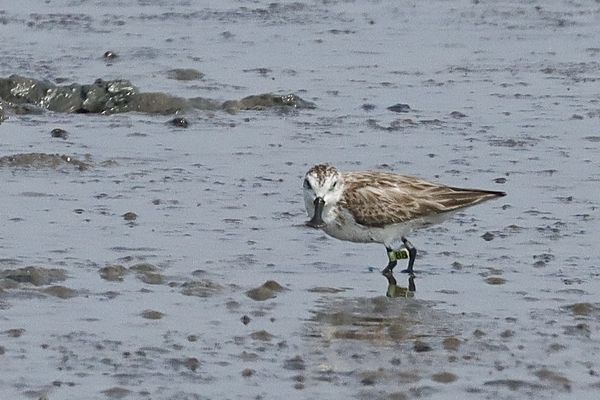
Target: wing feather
<point>379,198</point>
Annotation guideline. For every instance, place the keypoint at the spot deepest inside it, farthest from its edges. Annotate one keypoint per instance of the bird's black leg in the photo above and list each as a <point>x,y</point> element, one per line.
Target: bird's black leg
<point>412,254</point>
<point>392,261</point>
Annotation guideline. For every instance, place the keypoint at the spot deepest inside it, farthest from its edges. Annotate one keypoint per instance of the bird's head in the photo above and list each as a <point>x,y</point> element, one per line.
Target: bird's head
<point>323,187</point>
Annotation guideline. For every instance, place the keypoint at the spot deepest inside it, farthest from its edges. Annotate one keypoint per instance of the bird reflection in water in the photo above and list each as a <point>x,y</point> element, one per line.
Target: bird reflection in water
<point>393,290</point>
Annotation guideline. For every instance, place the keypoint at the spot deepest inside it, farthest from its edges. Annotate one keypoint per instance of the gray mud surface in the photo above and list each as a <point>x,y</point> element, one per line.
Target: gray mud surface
<point>142,260</point>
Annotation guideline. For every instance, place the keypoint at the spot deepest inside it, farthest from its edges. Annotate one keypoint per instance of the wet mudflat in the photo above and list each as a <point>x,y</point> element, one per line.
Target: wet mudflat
<point>142,256</point>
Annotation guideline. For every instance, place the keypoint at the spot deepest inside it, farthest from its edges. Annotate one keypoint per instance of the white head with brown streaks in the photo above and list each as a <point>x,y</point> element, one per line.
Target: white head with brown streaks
<point>323,188</point>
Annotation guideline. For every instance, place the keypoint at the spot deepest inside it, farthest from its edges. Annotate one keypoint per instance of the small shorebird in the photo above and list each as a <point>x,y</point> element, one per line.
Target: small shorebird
<point>381,207</point>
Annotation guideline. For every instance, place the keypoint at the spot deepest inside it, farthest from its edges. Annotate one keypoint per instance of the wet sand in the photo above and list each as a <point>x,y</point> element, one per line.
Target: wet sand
<point>141,258</point>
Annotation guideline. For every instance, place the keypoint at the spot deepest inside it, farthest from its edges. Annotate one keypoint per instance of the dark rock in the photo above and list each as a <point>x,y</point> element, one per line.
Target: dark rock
<point>37,276</point>
<point>61,292</point>
<point>444,377</point>
<point>113,273</point>
<point>266,291</point>
<point>41,160</point>
<point>110,55</point>
<point>399,108</point>
<point>14,333</point>
<point>457,114</point>
<point>421,347</point>
<point>59,133</point>
<point>488,236</point>
<point>295,363</point>
<point>495,280</point>
<point>129,216</point>
<point>202,288</point>
<point>179,122</point>
<point>152,314</point>
<point>245,319</point>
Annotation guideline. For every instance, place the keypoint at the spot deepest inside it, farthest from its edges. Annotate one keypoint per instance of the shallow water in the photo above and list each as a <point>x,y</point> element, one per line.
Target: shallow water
<point>502,96</point>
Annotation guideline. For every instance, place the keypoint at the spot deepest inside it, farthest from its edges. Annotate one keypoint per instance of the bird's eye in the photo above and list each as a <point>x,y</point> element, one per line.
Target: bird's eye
<point>333,185</point>
<point>307,184</point>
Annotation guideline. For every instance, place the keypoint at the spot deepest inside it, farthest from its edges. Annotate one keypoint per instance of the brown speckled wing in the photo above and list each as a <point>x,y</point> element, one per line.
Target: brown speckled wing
<point>378,198</point>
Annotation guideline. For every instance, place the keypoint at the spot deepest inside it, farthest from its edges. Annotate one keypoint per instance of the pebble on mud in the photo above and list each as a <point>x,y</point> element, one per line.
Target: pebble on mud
<point>179,122</point>
<point>399,108</point>
<point>110,55</point>
<point>59,133</point>
<point>266,291</point>
<point>14,333</point>
<point>488,236</point>
<point>61,292</point>
<point>37,276</point>
<point>248,372</point>
<point>113,273</point>
<point>495,280</point>
<point>581,309</point>
<point>202,288</point>
<point>151,278</point>
<point>262,335</point>
<point>152,314</point>
<point>129,216</point>
<point>245,319</point>
<point>191,363</point>
<point>421,347</point>
<point>451,344</point>
<point>444,377</point>
<point>295,363</point>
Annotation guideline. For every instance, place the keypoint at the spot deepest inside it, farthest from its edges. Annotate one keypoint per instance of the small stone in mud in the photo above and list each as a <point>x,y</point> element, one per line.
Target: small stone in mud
<point>61,292</point>
<point>488,236</point>
<point>478,333</point>
<point>261,335</point>
<point>202,288</point>
<point>248,372</point>
<point>14,333</point>
<point>116,392</point>
<point>179,122</point>
<point>421,347</point>
<point>582,329</point>
<point>399,108</point>
<point>185,74</point>
<point>457,114</point>
<point>129,216</point>
<point>294,363</point>
<point>151,278</point>
<point>583,309</point>
<point>192,338</point>
<point>191,363</point>
<point>444,377</point>
<point>245,320</point>
<point>368,107</point>
<point>144,267</point>
<point>507,334</point>
<point>109,55</point>
<point>36,276</point>
<point>451,343</point>
<point>266,291</point>
<point>113,273</point>
<point>368,378</point>
<point>495,280</point>
<point>500,180</point>
<point>59,133</point>
<point>152,314</point>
